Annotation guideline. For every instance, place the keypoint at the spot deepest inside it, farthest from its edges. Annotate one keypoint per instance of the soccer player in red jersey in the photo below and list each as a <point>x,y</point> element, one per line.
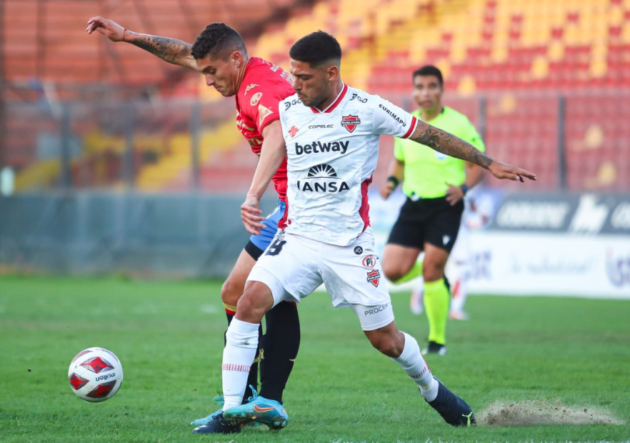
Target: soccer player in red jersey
<point>219,53</point>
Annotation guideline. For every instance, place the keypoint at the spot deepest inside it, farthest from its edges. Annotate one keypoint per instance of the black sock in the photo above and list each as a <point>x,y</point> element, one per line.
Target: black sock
<point>279,349</point>
<point>252,379</point>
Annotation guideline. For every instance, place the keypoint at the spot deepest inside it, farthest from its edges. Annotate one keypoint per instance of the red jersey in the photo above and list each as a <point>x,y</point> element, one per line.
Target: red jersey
<point>264,86</point>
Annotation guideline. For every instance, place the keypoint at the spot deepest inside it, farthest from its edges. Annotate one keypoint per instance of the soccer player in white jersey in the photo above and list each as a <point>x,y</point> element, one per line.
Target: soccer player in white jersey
<point>331,133</point>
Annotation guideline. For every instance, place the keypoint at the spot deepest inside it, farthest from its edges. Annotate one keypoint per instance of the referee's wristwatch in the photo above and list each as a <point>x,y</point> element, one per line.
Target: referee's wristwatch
<point>464,188</point>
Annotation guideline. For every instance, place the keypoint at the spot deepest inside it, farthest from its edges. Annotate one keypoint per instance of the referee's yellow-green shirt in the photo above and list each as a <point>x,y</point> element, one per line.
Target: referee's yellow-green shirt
<point>427,171</point>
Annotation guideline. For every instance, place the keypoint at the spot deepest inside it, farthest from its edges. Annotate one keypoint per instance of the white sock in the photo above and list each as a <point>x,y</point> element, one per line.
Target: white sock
<point>416,368</point>
<point>459,296</point>
<point>238,355</point>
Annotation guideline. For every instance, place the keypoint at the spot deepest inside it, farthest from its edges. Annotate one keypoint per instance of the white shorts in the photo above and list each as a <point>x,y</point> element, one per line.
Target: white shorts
<point>294,266</point>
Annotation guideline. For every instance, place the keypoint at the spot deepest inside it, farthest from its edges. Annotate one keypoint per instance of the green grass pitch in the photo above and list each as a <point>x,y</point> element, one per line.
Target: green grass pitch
<point>169,337</point>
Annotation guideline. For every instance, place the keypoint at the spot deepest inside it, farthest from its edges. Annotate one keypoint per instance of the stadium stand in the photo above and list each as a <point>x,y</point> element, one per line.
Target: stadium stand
<point>518,53</point>
<point>46,50</point>
<point>513,58</point>
<point>46,38</point>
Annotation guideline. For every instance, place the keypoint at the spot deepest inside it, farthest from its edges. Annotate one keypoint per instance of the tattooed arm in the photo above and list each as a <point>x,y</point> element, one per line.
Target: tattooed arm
<point>170,50</point>
<point>453,146</point>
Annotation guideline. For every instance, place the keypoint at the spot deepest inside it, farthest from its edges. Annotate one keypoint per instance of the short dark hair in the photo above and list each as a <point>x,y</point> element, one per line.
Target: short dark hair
<point>216,40</point>
<point>429,70</point>
<point>316,48</point>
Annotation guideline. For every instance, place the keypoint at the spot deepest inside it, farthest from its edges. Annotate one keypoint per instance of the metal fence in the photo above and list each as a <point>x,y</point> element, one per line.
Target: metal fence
<point>102,145</point>
<point>177,236</point>
<point>154,188</point>
<point>576,141</point>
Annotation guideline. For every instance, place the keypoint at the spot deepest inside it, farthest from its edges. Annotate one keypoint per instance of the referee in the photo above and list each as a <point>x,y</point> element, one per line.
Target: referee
<point>435,185</point>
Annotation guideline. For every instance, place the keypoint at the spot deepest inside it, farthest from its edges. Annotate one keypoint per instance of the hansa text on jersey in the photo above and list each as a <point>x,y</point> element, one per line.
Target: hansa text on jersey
<point>322,178</point>
<point>322,186</point>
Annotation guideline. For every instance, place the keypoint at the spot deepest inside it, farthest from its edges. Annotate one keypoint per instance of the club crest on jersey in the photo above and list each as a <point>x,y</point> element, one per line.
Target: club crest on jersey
<point>350,122</point>
<point>256,98</point>
<point>374,277</point>
<point>369,261</point>
<point>293,131</point>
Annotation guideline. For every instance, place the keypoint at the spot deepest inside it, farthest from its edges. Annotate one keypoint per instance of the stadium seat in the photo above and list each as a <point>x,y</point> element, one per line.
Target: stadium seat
<point>536,47</point>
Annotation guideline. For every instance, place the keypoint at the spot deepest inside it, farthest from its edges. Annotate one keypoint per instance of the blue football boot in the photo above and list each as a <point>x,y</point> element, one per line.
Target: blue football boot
<point>453,409</point>
<point>261,410</point>
<point>206,420</point>
<point>218,425</point>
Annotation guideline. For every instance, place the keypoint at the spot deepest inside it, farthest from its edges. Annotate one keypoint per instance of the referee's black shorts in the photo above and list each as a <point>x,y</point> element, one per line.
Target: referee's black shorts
<point>430,220</point>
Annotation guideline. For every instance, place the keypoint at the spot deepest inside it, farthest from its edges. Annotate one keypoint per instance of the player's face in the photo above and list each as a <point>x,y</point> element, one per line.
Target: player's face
<point>427,92</point>
<point>223,74</point>
<point>313,85</point>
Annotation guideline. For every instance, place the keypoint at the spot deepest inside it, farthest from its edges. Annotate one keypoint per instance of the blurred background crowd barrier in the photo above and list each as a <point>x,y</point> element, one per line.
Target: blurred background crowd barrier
<point>112,160</point>
<point>131,234</point>
<point>574,141</point>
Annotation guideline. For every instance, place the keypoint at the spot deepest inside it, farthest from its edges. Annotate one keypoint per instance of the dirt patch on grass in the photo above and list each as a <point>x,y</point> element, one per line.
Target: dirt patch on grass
<point>542,412</point>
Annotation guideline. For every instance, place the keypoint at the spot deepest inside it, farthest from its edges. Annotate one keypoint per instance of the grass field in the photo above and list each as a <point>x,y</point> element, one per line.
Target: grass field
<point>169,337</point>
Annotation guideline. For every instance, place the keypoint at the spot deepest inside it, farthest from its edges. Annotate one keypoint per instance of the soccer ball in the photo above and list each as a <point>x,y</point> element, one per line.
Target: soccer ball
<point>95,374</point>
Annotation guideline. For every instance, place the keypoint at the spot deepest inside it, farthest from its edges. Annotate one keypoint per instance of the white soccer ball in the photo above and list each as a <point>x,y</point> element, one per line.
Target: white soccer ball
<point>95,374</point>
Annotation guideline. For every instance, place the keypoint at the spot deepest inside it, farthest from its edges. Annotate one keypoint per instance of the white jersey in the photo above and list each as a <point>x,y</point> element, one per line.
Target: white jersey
<point>331,156</point>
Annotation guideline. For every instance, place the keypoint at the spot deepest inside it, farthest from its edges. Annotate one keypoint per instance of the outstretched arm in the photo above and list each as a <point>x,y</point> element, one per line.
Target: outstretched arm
<point>455,147</point>
<point>272,154</point>
<point>170,50</point>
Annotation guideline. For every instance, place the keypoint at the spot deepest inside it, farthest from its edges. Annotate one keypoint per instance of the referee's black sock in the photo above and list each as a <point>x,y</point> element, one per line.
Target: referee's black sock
<point>280,346</point>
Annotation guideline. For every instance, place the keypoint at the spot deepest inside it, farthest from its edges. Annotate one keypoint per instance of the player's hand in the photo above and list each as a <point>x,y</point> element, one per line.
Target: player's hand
<point>250,214</point>
<point>387,189</point>
<point>506,171</point>
<point>107,27</point>
<point>454,194</point>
